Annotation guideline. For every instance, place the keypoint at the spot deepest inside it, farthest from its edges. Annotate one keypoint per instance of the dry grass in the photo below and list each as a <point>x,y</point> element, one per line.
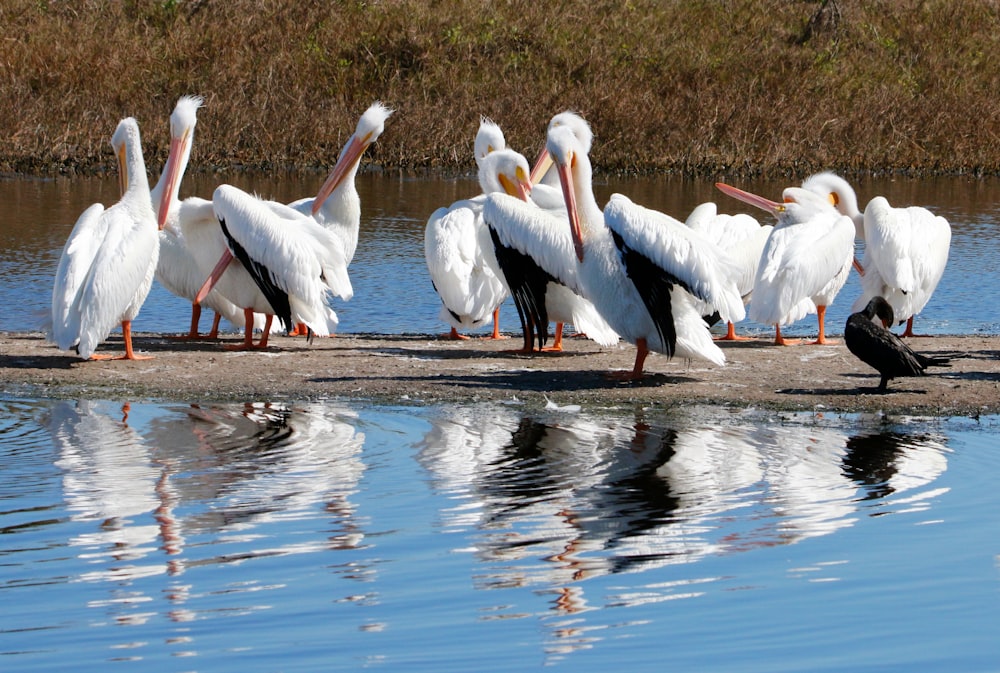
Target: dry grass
<point>702,86</point>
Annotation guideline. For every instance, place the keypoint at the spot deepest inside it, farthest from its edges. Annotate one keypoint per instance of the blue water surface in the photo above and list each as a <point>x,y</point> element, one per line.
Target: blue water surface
<point>334,536</point>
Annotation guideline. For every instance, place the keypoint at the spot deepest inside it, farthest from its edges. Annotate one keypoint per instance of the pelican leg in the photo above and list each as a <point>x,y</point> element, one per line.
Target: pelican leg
<point>557,340</point>
<point>453,334</point>
<point>496,324</point>
<point>195,317</point>
<point>780,340</point>
<point>214,334</point>
<point>300,329</point>
<point>129,353</point>
<point>821,340</point>
<point>262,344</point>
<point>248,332</point>
<point>908,332</point>
<point>641,351</point>
<point>731,334</point>
<point>193,331</point>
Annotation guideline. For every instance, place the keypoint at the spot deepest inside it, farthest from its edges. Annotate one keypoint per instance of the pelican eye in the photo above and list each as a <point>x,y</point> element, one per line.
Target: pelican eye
<point>520,174</point>
<point>834,198</point>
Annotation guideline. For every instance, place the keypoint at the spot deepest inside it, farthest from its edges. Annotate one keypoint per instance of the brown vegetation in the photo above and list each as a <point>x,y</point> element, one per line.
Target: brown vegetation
<point>707,86</point>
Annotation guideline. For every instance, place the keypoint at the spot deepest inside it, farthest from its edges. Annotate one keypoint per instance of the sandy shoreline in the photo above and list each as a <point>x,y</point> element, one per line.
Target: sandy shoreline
<point>424,369</point>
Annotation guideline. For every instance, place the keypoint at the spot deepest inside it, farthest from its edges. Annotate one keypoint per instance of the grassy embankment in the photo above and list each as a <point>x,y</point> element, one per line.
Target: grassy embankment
<point>701,87</point>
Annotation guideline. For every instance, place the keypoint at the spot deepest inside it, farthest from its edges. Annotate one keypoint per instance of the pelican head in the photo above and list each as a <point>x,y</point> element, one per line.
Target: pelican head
<point>182,123</point>
<point>797,204</point>
<point>505,171</point>
<point>579,127</point>
<point>840,193</point>
<point>123,141</point>
<point>564,147</point>
<point>369,128</point>
<point>489,138</point>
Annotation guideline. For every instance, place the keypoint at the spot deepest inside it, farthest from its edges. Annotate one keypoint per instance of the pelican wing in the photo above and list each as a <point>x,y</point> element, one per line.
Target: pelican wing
<point>534,232</point>
<point>74,267</point>
<point>697,264</point>
<point>117,276</point>
<point>461,263</point>
<point>798,261</point>
<point>285,253</point>
<point>908,245</point>
<point>533,248</point>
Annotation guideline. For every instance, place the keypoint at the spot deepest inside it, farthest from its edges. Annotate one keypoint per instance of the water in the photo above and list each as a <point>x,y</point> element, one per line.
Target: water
<point>393,293</point>
<point>329,536</point>
<point>340,535</point>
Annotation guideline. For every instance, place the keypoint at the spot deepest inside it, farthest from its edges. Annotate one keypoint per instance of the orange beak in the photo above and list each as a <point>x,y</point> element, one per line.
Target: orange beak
<point>350,157</point>
<point>172,170</point>
<point>569,195</point>
<point>752,199</point>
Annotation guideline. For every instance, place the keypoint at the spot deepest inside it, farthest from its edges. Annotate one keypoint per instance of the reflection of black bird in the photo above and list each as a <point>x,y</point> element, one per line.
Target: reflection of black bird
<point>876,346</point>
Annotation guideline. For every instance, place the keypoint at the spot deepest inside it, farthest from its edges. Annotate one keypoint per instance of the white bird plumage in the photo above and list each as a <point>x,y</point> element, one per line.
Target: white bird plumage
<point>457,246</point>
<point>906,249</point>
<point>337,205</point>
<point>586,259</point>
<point>108,262</point>
<point>742,237</point>
<point>544,247</point>
<point>177,270</point>
<point>805,261</point>
<point>287,263</point>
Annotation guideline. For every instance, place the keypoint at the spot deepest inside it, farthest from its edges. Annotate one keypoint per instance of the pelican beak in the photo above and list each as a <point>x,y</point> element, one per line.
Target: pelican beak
<point>569,195</point>
<point>348,160</point>
<point>520,186</point>
<point>122,170</point>
<point>542,165</point>
<point>213,278</point>
<point>172,169</point>
<point>746,197</point>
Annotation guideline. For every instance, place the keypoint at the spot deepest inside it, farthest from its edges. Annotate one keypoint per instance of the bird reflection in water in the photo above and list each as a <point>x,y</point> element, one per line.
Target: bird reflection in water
<point>558,500</point>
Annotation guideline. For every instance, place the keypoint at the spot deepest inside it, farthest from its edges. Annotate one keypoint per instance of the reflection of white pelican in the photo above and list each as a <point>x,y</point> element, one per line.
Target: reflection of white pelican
<point>906,249</point>
<point>108,262</point>
<point>109,479</point>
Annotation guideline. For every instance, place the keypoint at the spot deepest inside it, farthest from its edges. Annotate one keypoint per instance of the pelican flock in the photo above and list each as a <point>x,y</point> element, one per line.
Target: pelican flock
<point>536,235</point>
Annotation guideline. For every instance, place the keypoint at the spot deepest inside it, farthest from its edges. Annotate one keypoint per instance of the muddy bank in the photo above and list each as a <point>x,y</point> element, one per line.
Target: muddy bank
<point>424,369</point>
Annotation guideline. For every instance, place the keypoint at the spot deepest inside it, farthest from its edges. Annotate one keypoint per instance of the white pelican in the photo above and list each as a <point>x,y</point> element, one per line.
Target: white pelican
<point>177,269</point>
<point>805,261</point>
<point>541,296</point>
<point>458,249</point>
<point>906,249</point>
<point>739,235</point>
<point>459,260</point>
<point>633,264</point>
<point>337,205</point>
<point>287,263</point>
<point>108,262</point>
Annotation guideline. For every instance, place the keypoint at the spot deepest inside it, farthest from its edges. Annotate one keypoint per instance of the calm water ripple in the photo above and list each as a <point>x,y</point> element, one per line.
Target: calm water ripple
<point>326,536</point>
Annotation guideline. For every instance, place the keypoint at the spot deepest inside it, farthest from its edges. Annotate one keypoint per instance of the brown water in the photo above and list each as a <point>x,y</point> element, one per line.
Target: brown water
<point>392,289</point>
